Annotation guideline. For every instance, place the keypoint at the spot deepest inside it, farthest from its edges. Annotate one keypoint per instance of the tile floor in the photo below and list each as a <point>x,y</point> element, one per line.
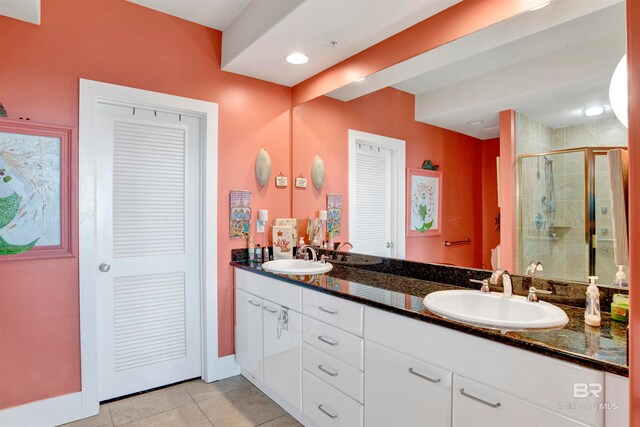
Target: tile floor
<point>230,402</point>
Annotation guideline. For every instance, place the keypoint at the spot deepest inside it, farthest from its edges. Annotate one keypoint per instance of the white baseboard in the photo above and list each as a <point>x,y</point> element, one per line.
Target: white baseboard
<point>44,413</point>
<point>227,366</point>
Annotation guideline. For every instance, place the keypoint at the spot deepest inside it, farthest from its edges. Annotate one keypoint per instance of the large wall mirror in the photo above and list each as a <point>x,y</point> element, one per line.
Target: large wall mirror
<point>442,110</point>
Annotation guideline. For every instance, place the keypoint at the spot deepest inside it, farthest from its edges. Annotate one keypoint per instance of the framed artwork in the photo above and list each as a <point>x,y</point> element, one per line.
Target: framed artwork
<point>239,214</point>
<point>334,213</point>
<point>37,164</point>
<point>424,202</point>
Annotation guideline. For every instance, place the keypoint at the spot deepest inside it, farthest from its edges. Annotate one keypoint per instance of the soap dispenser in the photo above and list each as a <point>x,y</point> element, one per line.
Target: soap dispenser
<point>592,309</point>
<point>621,278</point>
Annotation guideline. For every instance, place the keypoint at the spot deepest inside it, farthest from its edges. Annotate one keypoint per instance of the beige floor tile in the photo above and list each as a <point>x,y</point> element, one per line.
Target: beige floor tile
<point>185,416</point>
<point>246,406</point>
<point>199,390</point>
<point>103,419</point>
<point>146,405</point>
<point>284,421</point>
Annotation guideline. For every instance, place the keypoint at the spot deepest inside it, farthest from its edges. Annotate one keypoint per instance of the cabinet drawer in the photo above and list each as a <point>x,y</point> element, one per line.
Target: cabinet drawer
<point>475,404</point>
<point>333,341</point>
<point>282,293</point>
<point>344,377</point>
<point>335,311</point>
<point>327,406</point>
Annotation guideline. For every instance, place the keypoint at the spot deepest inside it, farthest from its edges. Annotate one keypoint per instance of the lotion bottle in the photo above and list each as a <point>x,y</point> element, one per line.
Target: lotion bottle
<point>251,249</point>
<point>592,309</point>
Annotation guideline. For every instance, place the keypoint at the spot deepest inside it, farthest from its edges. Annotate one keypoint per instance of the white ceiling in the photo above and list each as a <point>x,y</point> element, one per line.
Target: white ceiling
<point>549,64</point>
<point>24,10</point>
<point>216,14</point>
<point>259,34</point>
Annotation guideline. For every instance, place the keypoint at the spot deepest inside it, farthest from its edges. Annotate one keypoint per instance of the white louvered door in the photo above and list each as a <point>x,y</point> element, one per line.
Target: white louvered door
<point>148,239</point>
<point>372,233</point>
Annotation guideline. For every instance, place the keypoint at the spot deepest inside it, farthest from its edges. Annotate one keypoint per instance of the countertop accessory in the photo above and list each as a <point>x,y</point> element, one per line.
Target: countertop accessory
<point>592,310</point>
<point>283,242</point>
<point>263,167</point>
<point>620,308</point>
<point>318,172</point>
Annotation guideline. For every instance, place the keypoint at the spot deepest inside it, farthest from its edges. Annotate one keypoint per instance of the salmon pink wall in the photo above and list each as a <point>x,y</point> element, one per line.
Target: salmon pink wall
<point>320,127</point>
<point>490,236</point>
<point>508,190</point>
<point>119,42</point>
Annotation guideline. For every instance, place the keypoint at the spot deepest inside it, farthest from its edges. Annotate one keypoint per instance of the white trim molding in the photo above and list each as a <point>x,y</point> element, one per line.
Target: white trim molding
<point>91,95</point>
<point>227,367</point>
<point>398,166</point>
<point>47,412</point>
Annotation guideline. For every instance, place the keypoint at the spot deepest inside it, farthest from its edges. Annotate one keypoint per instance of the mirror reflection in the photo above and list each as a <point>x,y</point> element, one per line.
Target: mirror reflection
<point>440,112</point>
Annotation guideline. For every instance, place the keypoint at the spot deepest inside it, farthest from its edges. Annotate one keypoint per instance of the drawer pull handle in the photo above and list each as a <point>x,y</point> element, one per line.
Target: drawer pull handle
<point>326,371</point>
<point>270,309</point>
<point>326,310</point>
<point>327,413</point>
<point>255,303</point>
<point>424,377</point>
<point>328,341</point>
<point>477,399</point>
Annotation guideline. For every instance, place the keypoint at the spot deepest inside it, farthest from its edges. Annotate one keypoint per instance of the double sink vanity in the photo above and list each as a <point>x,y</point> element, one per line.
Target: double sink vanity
<point>356,345</point>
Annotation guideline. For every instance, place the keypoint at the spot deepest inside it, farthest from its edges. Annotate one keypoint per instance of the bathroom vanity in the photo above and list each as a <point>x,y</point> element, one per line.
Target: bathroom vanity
<point>354,347</point>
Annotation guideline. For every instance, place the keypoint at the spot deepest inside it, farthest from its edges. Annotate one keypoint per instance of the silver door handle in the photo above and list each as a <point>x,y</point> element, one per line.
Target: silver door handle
<point>327,413</point>
<point>104,267</point>
<point>477,399</point>
<point>254,303</point>
<point>328,341</point>
<point>388,244</point>
<point>326,310</point>
<point>417,374</point>
<point>326,371</point>
<point>270,309</point>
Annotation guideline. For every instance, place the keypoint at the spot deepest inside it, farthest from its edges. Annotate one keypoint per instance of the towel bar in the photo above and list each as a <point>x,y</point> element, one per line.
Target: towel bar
<point>466,241</point>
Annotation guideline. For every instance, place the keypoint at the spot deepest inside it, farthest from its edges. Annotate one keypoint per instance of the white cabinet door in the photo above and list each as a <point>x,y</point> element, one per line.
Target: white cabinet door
<point>475,404</point>
<point>282,351</point>
<point>249,333</point>
<point>403,391</point>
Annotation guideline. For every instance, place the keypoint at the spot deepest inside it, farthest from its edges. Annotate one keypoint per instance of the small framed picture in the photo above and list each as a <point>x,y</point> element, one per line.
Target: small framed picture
<point>424,203</point>
<point>281,181</point>
<point>301,182</point>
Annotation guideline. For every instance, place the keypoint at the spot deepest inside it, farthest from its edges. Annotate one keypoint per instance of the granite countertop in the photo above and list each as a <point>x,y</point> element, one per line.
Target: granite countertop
<point>603,348</point>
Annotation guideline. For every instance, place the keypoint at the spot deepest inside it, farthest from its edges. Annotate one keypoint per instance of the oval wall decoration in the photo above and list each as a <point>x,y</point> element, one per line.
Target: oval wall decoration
<point>318,172</point>
<point>263,167</point>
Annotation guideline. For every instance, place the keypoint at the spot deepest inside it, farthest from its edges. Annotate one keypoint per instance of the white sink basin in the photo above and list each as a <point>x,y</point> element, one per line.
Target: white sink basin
<point>296,266</point>
<point>494,311</point>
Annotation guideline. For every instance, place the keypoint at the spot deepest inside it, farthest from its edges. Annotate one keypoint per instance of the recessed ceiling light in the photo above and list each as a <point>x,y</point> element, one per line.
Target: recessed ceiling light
<point>361,79</point>
<point>540,6</point>
<point>297,58</point>
<point>593,111</point>
<point>476,122</point>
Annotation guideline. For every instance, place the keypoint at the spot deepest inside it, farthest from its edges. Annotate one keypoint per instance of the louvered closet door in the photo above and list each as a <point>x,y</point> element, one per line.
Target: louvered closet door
<point>148,221</point>
<point>372,234</point>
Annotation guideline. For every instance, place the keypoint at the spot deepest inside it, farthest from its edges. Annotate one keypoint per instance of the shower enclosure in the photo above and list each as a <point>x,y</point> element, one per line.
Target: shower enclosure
<point>564,213</point>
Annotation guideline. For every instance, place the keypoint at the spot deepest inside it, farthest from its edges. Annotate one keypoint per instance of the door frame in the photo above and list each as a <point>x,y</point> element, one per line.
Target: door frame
<point>92,94</point>
<point>398,166</point>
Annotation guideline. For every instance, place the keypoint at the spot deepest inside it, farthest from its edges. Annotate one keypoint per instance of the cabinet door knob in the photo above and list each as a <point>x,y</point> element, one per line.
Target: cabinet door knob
<point>328,341</point>
<point>417,374</point>
<point>327,413</point>
<point>327,371</point>
<point>104,267</point>
<point>477,399</point>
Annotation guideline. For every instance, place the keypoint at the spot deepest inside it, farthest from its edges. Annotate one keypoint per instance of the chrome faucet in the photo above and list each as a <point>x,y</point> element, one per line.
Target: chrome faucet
<point>506,281</point>
<point>304,251</point>
<point>533,267</point>
<point>342,245</point>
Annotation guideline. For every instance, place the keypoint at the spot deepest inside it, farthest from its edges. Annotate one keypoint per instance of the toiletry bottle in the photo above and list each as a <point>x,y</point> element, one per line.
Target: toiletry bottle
<point>301,241</point>
<point>621,279</point>
<point>265,254</point>
<point>251,250</point>
<point>258,254</point>
<point>592,309</point>
<point>331,240</point>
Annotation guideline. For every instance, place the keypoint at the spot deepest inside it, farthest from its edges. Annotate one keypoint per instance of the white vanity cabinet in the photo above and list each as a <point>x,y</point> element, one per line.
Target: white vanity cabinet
<point>404,391</point>
<point>249,333</point>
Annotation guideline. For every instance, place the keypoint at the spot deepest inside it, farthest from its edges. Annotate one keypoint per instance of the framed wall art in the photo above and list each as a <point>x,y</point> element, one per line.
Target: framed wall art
<point>239,214</point>
<point>37,194</point>
<point>424,202</point>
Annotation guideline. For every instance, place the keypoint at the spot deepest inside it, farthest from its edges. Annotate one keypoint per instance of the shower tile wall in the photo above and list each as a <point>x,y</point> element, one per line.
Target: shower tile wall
<point>604,133</point>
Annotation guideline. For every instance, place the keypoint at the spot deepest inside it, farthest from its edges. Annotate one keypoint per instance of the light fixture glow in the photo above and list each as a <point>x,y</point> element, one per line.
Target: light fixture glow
<point>593,111</point>
<point>297,58</point>
<point>476,122</point>
<point>540,6</point>
<point>618,95</point>
<point>360,79</point>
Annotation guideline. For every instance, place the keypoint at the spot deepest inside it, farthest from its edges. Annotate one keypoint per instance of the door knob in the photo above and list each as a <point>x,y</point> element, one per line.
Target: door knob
<point>388,244</point>
<point>104,267</point>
